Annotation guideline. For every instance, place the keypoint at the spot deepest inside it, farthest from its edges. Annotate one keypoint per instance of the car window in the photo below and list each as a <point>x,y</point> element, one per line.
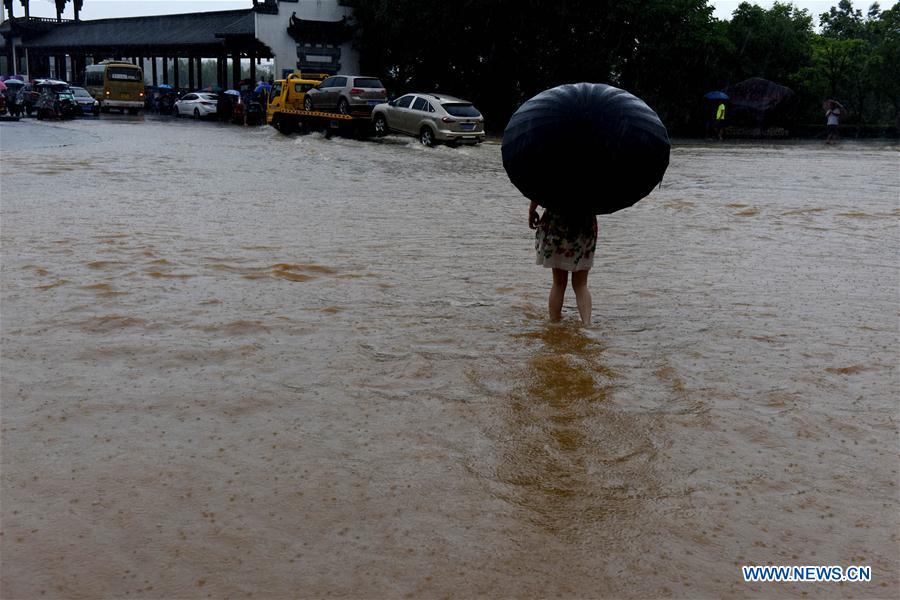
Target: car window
<point>326,83</point>
<point>461,110</point>
<point>81,93</point>
<point>367,82</point>
<point>420,104</point>
<point>303,87</point>
<point>405,101</point>
<point>339,82</point>
<point>190,97</point>
<point>207,96</point>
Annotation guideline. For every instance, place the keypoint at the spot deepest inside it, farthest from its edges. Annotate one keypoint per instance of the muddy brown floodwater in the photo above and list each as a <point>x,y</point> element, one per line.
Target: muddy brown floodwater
<point>239,364</point>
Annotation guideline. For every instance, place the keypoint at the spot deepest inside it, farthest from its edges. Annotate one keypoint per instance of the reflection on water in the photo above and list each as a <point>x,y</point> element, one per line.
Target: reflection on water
<point>550,447</point>
<point>291,363</point>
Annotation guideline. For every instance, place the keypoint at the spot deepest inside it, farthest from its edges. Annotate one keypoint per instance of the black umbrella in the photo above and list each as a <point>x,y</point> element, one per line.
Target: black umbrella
<point>585,148</point>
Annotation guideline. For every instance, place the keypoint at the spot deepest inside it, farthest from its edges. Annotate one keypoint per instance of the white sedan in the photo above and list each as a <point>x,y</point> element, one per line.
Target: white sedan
<point>197,104</point>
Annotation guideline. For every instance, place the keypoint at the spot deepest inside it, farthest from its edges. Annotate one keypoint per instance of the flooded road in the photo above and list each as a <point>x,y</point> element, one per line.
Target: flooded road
<point>240,364</point>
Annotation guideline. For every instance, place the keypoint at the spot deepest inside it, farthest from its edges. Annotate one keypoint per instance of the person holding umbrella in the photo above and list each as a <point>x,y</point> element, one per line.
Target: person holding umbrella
<point>833,114</point>
<point>581,150</point>
<point>719,122</point>
<point>565,243</point>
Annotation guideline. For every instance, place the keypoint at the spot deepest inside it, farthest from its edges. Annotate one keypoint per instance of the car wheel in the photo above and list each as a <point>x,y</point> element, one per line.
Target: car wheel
<point>426,137</point>
<point>196,113</point>
<point>344,107</point>
<point>307,104</point>
<point>381,127</point>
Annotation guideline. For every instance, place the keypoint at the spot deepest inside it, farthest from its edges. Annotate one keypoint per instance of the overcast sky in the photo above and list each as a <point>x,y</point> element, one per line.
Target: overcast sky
<point>99,9</point>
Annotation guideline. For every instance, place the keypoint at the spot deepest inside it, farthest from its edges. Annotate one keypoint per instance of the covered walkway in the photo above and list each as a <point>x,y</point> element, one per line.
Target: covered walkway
<point>155,43</point>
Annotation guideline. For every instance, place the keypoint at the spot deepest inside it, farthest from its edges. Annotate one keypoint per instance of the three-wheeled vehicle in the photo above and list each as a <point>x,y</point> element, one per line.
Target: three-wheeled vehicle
<point>56,100</point>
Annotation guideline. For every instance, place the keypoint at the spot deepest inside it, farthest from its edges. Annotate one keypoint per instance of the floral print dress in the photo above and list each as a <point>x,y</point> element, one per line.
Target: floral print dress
<point>566,242</point>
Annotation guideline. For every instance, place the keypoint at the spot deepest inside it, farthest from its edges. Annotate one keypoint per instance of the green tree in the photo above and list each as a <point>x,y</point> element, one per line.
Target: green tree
<point>774,44</point>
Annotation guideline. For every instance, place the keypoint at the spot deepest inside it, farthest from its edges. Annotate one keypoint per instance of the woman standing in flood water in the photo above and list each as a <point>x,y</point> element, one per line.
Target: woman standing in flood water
<point>565,243</point>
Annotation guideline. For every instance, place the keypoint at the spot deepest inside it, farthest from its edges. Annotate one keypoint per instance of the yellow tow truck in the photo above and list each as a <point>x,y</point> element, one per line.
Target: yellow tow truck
<point>285,111</point>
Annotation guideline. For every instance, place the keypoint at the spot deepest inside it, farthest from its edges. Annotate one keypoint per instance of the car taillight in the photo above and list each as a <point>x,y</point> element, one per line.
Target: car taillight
<point>383,93</point>
<point>356,91</point>
<point>206,103</point>
<point>448,120</point>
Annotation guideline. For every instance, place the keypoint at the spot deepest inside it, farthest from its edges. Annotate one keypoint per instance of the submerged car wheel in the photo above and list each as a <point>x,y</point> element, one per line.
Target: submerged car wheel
<point>381,128</point>
<point>196,113</point>
<point>344,107</point>
<point>426,137</point>
<point>307,104</point>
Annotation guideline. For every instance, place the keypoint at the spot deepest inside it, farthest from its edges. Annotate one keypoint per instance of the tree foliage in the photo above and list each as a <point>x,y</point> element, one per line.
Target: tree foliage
<point>499,53</point>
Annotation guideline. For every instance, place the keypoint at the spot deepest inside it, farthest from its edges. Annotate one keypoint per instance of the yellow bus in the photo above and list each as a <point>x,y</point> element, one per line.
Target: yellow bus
<point>116,85</point>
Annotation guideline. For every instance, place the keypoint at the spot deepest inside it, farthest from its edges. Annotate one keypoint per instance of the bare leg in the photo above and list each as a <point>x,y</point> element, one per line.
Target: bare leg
<point>582,295</point>
<point>557,293</point>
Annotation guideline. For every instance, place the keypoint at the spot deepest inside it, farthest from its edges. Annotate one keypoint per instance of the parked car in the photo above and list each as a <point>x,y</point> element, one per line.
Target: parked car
<point>56,100</point>
<point>197,104</point>
<point>28,97</point>
<point>346,94</point>
<point>432,118</point>
<point>87,103</point>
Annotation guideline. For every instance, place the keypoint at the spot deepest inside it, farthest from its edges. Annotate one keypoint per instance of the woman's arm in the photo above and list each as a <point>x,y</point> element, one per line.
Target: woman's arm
<point>533,217</point>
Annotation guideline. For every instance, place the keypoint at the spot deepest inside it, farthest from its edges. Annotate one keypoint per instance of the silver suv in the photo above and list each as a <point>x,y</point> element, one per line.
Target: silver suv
<point>346,94</point>
<point>432,118</point>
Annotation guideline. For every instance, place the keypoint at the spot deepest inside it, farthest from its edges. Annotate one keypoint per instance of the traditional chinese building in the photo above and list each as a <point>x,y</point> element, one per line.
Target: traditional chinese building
<point>298,35</point>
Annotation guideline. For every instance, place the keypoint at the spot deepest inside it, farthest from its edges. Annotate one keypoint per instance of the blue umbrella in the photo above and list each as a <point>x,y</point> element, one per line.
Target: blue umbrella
<point>262,86</point>
<point>232,92</point>
<point>716,96</point>
<point>165,86</point>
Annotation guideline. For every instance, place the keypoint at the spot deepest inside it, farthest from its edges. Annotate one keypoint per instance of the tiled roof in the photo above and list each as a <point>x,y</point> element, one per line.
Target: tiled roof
<point>193,29</point>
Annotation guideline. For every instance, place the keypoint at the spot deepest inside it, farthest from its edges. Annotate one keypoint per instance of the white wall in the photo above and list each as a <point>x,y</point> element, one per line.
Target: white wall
<point>272,31</point>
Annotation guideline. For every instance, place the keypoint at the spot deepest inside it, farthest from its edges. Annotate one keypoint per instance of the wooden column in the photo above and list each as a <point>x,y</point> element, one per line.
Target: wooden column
<point>165,69</point>
<point>219,71</point>
<point>175,78</point>
<point>200,73</point>
<point>153,68</point>
<point>235,69</point>
<point>191,73</point>
<point>253,69</point>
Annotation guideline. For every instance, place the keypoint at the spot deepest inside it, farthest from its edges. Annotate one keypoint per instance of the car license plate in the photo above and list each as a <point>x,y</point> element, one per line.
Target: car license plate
<point>374,102</point>
<point>467,126</point>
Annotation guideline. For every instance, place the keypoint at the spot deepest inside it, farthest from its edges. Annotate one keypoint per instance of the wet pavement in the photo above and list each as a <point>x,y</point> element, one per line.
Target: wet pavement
<point>236,363</point>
